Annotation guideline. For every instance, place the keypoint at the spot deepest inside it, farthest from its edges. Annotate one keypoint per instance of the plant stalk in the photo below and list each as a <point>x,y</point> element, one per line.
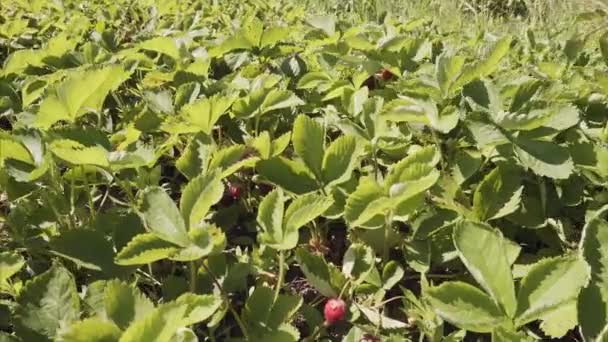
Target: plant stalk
<point>387,227</point>
<point>193,276</point>
<point>238,319</point>
<point>279,284</point>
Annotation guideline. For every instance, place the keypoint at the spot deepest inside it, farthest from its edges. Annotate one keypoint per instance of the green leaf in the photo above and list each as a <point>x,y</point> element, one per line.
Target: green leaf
<point>262,144</point>
<point>198,196</point>
<point>164,45</point>
<point>230,159</point>
<point>125,304</point>
<point>91,330</point>
<point>258,307</point>
<point>204,113</point>
<point>604,46</point>
<point>303,210</point>
<point>85,247</point>
<point>11,149</point>
<point>195,158</point>
<point>142,156</point>
<point>199,307</point>
<point>562,117</point>
<point>391,274</point>
<point>252,30</point>
<point>158,326</point>
<point>265,317</point>
<point>593,299</point>
<point>46,304</point>
<point>467,163</point>
<point>280,99</point>
<point>418,255</point>
<point>498,194</point>
<point>184,335</point>
<point>465,306</point>
<point>5,337</point>
<point>205,239</point>
<point>284,310</point>
<point>317,272</point>
<point>82,92</point>
<point>274,35</point>
<point>358,261</point>
<point>289,175</point>
<point>160,102</point>
<point>161,216</point>
<point>76,153</point>
<point>557,323</point>
<point>339,160</point>
<point>413,175</point>
<point>573,48</point>
<point>550,284</point>
<point>381,320</point>
<point>486,65</point>
<point>486,134</point>
<point>412,110</point>
<point>308,141</point>
<point>447,70</point>
<point>507,334</point>
<point>267,148</point>
<point>94,299</point>
<point>521,121</point>
<point>366,204</point>
<point>544,158</point>
<point>145,249</point>
<point>10,263</point>
<point>401,172</point>
<point>313,79</point>
<point>324,23</point>
<point>270,219</point>
<point>357,100</point>
<point>482,249</point>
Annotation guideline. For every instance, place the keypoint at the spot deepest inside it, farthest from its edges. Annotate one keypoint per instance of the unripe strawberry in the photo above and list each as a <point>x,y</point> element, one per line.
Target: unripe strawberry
<point>334,310</point>
<point>235,191</point>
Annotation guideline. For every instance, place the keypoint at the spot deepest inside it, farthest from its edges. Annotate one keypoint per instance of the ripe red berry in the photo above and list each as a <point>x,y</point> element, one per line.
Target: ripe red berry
<point>334,310</point>
<point>386,74</point>
<point>235,191</point>
<point>370,338</point>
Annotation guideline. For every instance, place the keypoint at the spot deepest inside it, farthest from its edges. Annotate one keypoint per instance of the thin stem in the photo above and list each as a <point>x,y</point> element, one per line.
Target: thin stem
<point>89,196</point>
<point>193,275</point>
<point>314,334</point>
<point>279,284</point>
<point>344,288</point>
<point>432,276</point>
<point>387,227</point>
<point>227,300</point>
<point>149,276</point>
<point>317,300</point>
<point>104,198</point>
<point>376,165</point>
<point>257,125</point>
<point>54,209</point>
<point>72,195</point>
<point>381,304</point>
<point>542,187</point>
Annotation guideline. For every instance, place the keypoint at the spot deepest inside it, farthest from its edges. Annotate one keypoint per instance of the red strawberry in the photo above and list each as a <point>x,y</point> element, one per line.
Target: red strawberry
<point>235,191</point>
<point>334,310</point>
<point>386,74</point>
<point>370,338</point>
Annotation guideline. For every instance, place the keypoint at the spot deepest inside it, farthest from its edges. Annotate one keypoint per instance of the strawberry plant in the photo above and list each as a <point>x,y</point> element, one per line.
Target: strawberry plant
<point>284,171</point>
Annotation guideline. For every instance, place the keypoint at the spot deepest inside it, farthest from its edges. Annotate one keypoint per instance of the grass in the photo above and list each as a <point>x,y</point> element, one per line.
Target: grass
<point>539,11</point>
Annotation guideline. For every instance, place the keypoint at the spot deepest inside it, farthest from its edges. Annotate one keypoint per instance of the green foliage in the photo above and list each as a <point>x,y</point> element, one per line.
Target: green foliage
<point>171,173</point>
